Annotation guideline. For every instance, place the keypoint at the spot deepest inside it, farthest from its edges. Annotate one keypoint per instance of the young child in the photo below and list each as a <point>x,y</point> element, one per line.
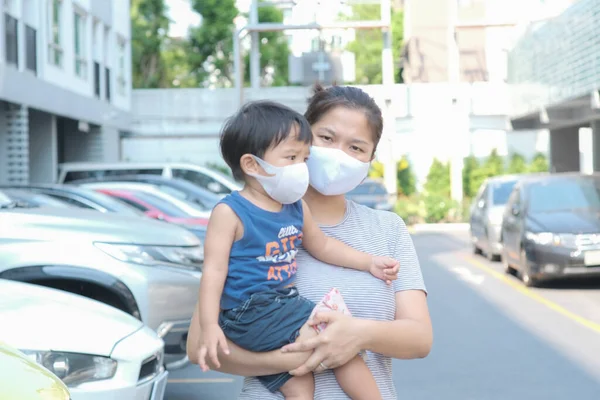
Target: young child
<point>247,292</point>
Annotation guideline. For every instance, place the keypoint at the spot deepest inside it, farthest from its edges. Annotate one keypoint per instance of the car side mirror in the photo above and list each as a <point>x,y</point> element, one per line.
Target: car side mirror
<point>515,210</point>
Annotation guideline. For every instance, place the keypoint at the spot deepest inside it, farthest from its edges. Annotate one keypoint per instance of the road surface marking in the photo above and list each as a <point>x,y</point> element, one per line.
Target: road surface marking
<point>201,380</point>
<point>534,296</point>
<point>465,274</point>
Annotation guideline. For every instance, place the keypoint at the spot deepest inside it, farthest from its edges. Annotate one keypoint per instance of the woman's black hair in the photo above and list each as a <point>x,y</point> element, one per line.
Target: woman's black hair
<point>256,127</point>
<point>324,100</point>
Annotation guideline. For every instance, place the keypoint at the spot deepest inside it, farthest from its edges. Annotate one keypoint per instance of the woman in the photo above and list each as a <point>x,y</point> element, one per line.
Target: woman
<point>388,321</point>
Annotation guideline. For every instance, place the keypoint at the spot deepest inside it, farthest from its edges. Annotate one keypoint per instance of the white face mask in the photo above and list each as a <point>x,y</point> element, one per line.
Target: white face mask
<point>333,172</point>
<point>286,184</point>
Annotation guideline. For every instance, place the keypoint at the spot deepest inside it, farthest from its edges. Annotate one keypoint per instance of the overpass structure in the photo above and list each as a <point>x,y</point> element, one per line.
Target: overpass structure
<point>554,77</point>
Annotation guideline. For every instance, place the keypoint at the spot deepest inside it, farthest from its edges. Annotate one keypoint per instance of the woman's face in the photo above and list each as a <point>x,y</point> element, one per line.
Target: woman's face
<point>345,129</point>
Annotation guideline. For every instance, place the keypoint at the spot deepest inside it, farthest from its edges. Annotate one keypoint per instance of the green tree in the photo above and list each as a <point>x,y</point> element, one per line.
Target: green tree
<point>517,164</point>
<point>406,179</point>
<point>376,170</point>
<point>368,43</point>
<point>149,27</point>
<point>177,71</point>
<point>494,164</point>
<point>539,163</point>
<point>438,179</point>
<point>274,51</point>
<point>211,43</point>
<point>471,164</point>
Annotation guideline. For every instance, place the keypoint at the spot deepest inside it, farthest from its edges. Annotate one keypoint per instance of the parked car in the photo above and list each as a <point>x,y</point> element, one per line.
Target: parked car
<point>149,269</point>
<point>33,199</point>
<point>24,379</point>
<point>372,194</point>
<point>98,351</point>
<point>551,227</point>
<point>203,177</point>
<point>76,197</point>
<point>487,212</point>
<point>179,188</point>
<point>188,208</point>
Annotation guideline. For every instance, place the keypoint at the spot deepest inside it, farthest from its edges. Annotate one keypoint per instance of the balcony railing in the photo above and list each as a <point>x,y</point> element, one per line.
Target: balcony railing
<point>11,40</point>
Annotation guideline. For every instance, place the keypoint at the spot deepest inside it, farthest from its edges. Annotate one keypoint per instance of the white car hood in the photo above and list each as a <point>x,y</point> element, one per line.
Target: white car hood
<point>38,318</point>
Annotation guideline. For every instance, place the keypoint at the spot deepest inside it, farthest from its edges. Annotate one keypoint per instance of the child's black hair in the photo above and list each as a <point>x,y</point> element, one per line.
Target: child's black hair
<point>256,127</point>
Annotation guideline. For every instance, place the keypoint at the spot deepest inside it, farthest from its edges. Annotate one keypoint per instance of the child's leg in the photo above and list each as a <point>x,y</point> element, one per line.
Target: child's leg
<point>299,388</point>
<point>356,380</point>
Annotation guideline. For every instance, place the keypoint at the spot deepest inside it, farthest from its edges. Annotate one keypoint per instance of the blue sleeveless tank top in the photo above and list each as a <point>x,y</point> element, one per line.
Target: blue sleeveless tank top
<point>265,257</point>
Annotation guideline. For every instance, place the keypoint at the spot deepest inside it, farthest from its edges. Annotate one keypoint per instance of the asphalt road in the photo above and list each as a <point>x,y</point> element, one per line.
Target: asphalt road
<point>494,338</point>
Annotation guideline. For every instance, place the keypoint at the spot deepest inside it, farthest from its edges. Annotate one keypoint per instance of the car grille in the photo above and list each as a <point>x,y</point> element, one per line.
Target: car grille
<point>151,367</point>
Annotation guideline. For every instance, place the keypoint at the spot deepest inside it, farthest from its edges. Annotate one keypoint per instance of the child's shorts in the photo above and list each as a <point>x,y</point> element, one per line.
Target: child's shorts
<point>267,321</point>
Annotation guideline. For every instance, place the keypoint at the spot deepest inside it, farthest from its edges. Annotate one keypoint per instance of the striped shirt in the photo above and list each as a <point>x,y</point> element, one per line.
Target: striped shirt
<point>380,233</point>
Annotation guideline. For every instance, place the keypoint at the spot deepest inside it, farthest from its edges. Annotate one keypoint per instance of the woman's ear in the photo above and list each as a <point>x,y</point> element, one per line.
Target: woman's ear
<point>249,165</point>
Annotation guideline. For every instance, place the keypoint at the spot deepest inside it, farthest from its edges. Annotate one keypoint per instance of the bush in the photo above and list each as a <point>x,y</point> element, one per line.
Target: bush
<point>539,163</point>
<point>517,164</point>
<point>411,209</point>
<point>376,170</point>
<point>405,177</point>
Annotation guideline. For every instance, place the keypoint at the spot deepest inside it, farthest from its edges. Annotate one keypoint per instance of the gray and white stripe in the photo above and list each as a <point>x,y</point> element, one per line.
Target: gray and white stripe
<point>376,232</point>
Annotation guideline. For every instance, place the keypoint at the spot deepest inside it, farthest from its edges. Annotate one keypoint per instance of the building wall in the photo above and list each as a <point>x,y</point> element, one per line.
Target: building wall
<point>184,124</point>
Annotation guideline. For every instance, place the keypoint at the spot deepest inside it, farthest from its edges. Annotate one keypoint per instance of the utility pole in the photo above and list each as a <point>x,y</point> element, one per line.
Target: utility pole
<point>387,77</point>
<point>255,73</point>
<point>456,128</point>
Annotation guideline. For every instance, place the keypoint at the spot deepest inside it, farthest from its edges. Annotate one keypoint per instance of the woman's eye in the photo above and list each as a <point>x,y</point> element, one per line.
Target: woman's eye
<point>354,148</point>
<point>326,138</point>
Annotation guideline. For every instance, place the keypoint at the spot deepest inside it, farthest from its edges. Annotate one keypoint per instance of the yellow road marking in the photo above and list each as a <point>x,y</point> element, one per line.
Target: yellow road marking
<point>534,296</point>
<point>201,380</point>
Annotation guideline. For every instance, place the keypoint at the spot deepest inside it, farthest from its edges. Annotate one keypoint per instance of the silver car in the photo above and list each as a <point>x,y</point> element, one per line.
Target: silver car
<point>149,269</point>
<point>486,215</point>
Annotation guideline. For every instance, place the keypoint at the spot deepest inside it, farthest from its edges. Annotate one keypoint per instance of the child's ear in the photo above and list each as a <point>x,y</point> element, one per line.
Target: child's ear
<point>249,165</point>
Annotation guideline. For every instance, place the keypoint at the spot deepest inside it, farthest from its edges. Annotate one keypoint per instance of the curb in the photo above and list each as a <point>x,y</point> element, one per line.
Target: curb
<point>449,227</point>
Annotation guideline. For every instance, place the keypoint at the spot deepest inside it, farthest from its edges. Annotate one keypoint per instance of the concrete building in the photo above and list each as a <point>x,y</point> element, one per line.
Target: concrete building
<point>554,72</point>
<point>65,84</point>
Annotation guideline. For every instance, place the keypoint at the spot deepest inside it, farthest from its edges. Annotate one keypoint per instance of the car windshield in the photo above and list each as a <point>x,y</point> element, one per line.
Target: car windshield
<point>368,188</point>
<point>163,205</point>
<point>563,195</point>
<point>501,192</point>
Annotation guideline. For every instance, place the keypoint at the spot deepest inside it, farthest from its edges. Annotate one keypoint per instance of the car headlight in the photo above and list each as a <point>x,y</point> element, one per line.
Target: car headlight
<point>176,256</point>
<point>552,239</point>
<point>74,368</point>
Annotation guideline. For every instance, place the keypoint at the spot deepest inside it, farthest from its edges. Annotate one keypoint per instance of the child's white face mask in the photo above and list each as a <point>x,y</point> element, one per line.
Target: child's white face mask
<point>286,184</point>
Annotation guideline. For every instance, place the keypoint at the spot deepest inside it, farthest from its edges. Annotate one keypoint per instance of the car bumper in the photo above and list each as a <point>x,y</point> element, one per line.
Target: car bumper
<point>140,374</point>
<point>560,262</point>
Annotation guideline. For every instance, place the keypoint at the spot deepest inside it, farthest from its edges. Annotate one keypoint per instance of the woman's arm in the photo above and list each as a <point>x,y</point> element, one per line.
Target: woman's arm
<point>409,336</point>
<point>239,361</point>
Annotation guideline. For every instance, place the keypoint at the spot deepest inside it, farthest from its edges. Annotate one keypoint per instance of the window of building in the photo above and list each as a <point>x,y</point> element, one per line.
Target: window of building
<point>79,43</point>
<point>55,50</point>
<point>11,40</point>
<point>121,78</point>
<point>30,49</point>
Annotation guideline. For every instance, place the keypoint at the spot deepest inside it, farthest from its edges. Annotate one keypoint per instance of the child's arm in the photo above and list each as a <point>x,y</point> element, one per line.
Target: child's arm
<point>220,235</point>
<point>332,251</point>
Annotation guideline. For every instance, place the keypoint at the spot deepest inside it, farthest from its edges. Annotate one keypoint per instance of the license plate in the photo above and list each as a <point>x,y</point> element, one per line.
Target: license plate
<point>591,258</point>
<point>158,391</point>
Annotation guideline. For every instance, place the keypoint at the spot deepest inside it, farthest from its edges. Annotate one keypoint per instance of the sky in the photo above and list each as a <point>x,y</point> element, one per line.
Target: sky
<point>182,15</point>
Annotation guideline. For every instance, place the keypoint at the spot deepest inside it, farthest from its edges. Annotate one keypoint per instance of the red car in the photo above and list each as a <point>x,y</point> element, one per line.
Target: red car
<point>154,207</point>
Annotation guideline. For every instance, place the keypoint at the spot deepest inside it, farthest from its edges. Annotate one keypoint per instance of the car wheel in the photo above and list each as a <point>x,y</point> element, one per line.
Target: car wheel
<point>476,250</point>
<point>508,269</point>
<point>527,279</point>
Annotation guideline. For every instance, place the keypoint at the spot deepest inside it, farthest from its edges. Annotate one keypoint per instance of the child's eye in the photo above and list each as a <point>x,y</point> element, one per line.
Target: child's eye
<point>292,158</point>
<point>305,159</point>
<point>354,148</point>
<point>326,138</point>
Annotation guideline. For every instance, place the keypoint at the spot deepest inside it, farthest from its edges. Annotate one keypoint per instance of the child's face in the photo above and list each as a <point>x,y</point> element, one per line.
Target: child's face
<point>289,151</point>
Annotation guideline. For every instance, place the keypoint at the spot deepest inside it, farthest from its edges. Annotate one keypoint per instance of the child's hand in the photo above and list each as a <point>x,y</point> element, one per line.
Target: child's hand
<point>213,338</point>
<point>385,268</point>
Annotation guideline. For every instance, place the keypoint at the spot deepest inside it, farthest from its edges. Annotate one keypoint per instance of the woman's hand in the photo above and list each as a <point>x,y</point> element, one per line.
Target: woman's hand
<point>334,346</point>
